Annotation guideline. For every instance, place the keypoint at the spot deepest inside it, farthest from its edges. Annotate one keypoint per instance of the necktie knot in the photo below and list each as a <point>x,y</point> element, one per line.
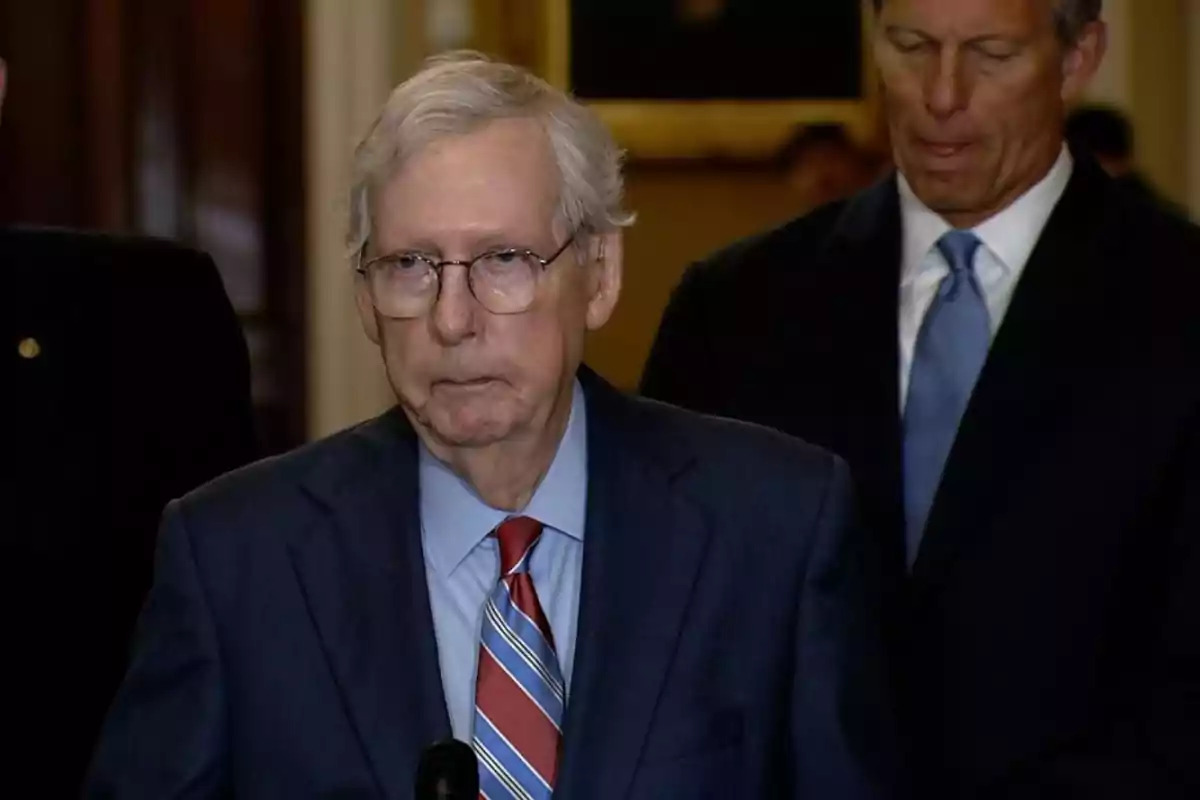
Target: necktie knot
<point>517,537</point>
<point>958,248</point>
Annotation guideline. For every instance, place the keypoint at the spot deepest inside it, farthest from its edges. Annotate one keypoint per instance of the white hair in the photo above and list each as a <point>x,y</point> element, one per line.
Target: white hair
<point>460,92</point>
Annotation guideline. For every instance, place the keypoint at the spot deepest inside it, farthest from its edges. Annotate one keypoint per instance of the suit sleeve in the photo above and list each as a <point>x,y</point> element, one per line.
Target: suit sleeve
<point>164,738</point>
<point>846,739</point>
<point>681,368</point>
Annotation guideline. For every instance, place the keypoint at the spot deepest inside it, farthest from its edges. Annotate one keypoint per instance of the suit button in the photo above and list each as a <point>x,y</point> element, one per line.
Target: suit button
<point>29,348</point>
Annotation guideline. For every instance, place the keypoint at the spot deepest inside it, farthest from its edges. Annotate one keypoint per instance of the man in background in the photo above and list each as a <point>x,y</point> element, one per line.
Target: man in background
<point>127,384</point>
<point>1107,135</point>
<point>1003,343</point>
<point>822,163</point>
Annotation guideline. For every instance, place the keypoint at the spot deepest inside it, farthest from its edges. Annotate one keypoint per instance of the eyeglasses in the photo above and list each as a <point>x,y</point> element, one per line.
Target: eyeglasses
<point>405,285</point>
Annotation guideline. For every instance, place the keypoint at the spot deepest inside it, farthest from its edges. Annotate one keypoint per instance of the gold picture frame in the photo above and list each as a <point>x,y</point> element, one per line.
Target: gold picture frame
<point>736,130</point>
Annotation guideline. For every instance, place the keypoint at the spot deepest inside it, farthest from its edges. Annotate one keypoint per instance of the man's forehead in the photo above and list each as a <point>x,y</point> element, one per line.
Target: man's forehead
<point>499,158</point>
<point>464,218</point>
<point>971,17</point>
<point>495,182</point>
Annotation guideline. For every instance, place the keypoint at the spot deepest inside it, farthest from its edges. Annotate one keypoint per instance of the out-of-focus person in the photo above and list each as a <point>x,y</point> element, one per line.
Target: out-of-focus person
<point>1107,134</point>
<point>1003,343</point>
<point>822,163</point>
<point>607,597</point>
<point>126,380</point>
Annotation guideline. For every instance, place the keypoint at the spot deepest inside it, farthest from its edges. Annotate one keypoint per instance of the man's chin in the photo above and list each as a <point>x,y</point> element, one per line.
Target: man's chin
<point>466,431</point>
<point>947,190</point>
<point>457,417</point>
<point>469,439</point>
<point>947,197</point>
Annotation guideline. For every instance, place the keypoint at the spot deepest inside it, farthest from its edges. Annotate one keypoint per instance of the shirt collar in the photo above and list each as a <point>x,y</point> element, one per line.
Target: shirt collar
<point>1010,235</point>
<point>921,226</point>
<point>454,519</point>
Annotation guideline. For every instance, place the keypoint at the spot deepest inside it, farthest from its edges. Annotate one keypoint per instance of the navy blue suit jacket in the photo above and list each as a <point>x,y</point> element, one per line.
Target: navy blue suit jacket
<point>727,642</point>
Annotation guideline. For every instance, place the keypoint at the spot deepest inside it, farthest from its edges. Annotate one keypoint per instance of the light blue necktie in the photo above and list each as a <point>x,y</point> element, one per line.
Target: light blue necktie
<point>951,348</point>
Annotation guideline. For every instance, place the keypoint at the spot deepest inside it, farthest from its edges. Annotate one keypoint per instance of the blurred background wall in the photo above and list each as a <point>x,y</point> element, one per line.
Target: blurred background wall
<point>1193,81</point>
<point>229,124</point>
<point>181,119</point>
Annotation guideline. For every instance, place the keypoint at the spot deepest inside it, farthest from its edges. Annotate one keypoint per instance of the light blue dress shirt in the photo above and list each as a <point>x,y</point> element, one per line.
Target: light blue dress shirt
<point>462,564</point>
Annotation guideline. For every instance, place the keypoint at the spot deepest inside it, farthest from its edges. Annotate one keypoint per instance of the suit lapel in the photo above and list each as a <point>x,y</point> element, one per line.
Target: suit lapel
<point>645,544</point>
<point>1048,349</point>
<point>363,576</point>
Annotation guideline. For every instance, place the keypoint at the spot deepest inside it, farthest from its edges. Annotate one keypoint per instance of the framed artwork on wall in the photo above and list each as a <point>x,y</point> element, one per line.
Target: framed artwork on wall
<point>711,78</point>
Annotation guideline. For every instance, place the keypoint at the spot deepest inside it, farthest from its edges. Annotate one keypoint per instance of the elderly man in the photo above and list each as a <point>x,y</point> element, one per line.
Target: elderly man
<point>1005,347</point>
<point>608,597</point>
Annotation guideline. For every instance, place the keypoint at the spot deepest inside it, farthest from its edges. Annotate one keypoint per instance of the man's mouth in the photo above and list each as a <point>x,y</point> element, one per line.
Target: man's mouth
<point>466,382</point>
<point>943,148</point>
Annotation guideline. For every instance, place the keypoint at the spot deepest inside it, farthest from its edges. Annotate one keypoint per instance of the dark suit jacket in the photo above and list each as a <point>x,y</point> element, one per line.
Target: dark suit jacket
<point>138,393</point>
<point>1050,631</point>
<point>727,646</point>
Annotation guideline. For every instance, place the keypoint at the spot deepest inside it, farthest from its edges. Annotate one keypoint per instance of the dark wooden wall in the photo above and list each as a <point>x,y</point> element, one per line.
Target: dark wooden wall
<point>176,118</point>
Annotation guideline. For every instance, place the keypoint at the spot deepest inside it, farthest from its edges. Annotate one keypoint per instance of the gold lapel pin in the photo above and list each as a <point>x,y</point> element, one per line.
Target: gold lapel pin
<point>29,348</point>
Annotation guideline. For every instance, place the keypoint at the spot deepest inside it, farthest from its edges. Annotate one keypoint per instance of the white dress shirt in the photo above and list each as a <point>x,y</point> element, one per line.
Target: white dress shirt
<point>1008,240</point>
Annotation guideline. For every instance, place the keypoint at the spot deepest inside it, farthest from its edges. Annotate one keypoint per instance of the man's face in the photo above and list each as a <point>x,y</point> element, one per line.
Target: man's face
<point>467,377</point>
<point>975,93</point>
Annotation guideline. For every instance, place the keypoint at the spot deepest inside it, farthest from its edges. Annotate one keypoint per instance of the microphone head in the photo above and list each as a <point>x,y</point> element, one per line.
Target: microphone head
<point>448,770</point>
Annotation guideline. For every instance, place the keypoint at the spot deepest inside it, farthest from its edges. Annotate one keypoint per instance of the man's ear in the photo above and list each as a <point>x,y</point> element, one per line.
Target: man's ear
<point>604,282</point>
<point>1083,60</point>
<point>366,308</point>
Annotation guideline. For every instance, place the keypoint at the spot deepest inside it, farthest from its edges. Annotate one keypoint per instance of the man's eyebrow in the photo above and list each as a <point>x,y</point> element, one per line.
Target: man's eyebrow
<point>997,38</point>
<point>892,30</point>
<point>986,38</point>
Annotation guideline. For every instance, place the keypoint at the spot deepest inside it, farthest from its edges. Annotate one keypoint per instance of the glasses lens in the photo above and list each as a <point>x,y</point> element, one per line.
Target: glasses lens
<point>505,282</point>
<point>403,285</point>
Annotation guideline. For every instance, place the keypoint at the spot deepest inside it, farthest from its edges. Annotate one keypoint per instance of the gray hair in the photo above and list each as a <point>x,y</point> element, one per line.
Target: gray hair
<point>1070,17</point>
<point>460,92</point>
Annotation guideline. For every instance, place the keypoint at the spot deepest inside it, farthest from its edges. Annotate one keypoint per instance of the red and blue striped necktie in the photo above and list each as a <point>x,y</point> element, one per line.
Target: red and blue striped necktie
<point>519,694</point>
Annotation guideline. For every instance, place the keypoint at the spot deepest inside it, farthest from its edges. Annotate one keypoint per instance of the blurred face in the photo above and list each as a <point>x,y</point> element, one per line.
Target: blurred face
<point>464,376</point>
<point>826,173</point>
<point>975,93</point>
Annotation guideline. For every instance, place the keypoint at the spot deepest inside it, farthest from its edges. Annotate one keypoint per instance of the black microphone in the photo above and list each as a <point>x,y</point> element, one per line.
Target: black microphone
<point>448,771</point>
